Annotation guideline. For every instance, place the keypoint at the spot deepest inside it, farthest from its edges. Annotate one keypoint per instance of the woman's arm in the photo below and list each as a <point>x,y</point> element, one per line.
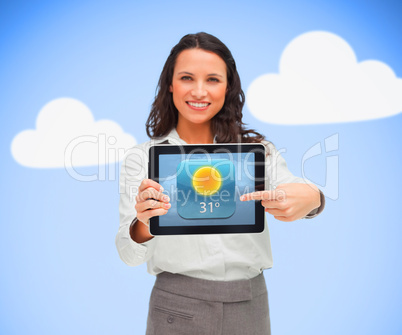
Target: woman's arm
<point>288,202</point>
<point>287,197</point>
<point>134,243</point>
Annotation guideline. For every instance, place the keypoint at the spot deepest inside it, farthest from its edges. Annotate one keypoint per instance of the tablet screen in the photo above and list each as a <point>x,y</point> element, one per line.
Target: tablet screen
<point>204,184</point>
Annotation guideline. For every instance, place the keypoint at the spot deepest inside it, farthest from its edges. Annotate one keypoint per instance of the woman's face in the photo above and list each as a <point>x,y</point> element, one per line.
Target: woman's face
<point>198,86</point>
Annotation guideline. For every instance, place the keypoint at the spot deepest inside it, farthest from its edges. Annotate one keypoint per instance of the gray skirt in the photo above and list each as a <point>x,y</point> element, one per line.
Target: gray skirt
<point>182,305</point>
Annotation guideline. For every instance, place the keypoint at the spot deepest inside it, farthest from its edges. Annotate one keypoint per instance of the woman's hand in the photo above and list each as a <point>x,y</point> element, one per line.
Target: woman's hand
<point>150,201</point>
<point>288,202</point>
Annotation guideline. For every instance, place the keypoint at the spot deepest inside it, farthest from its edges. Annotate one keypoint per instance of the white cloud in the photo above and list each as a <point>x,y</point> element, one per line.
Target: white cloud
<point>320,81</point>
<point>67,135</point>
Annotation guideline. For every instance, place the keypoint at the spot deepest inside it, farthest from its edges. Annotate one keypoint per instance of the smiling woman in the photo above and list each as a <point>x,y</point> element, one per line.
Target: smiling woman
<point>201,67</point>
<point>206,284</point>
<point>198,87</point>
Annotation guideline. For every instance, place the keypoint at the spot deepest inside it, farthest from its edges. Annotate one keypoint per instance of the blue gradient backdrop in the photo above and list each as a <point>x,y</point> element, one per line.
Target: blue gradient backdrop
<point>60,271</point>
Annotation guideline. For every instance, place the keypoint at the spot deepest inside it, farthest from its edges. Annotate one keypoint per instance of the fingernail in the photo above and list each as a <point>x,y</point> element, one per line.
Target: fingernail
<point>167,206</point>
<point>242,198</point>
<point>165,198</point>
<point>161,189</point>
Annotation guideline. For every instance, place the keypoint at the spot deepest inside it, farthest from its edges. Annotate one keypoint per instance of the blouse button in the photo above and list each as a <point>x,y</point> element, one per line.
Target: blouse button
<point>170,319</point>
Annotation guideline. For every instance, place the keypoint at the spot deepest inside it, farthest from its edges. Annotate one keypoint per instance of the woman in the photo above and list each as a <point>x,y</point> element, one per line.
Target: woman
<point>206,284</point>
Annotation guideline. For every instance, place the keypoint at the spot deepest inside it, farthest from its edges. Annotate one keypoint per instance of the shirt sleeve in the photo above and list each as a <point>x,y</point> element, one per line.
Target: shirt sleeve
<point>133,171</point>
<point>278,173</point>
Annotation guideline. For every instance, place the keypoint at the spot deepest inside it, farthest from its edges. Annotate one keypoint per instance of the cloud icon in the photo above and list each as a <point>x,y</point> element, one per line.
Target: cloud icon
<point>320,81</point>
<point>67,135</point>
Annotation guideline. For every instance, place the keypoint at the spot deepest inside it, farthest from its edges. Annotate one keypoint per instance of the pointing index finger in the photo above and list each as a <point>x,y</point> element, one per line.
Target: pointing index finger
<point>260,195</point>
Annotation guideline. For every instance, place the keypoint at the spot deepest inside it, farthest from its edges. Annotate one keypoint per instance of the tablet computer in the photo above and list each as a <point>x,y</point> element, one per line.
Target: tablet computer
<point>204,183</point>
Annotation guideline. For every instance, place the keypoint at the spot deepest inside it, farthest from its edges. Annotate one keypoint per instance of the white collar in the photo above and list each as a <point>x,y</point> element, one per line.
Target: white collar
<point>174,138</point>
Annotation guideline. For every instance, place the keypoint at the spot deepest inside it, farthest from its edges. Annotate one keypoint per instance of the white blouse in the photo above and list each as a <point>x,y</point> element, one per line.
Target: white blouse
<point>222,257</point>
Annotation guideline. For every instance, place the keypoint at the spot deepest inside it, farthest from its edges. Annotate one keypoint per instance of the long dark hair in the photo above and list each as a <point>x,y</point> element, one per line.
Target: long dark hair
<point>227,125</point>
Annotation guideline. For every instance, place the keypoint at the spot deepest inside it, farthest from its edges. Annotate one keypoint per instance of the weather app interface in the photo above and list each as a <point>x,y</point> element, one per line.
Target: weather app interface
<point>205,189</point>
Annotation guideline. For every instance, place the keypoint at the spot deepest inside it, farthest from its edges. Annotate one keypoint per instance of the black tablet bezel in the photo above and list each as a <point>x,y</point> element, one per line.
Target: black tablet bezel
<point>259,170</point>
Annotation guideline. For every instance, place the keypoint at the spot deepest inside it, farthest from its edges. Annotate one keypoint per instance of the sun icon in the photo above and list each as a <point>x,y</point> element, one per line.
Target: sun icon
<point>207,180</point>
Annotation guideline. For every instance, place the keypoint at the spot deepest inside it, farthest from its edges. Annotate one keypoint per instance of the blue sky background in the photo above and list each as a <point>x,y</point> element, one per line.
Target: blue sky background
<point>60,271</point>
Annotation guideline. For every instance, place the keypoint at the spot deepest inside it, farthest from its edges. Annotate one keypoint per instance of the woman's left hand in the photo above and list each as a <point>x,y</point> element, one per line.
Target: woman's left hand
<point>288,202</point>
